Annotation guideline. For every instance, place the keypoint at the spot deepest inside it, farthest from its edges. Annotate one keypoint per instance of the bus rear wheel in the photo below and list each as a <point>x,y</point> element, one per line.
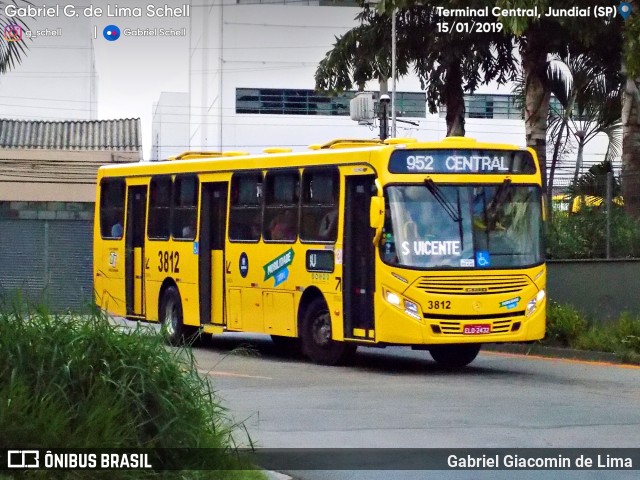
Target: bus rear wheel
<point>317,341</point>
<point>454,356</point>
<point>173,328</point>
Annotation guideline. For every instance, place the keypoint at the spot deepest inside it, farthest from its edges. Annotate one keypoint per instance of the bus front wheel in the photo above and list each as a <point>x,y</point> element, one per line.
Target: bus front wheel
<point>317,341</point>
<point>173,328</point>
<point>454,356</point>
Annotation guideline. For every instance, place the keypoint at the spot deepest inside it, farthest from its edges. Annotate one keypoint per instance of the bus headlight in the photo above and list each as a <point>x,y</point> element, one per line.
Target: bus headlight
<point>533,303</point>
<point>409,307</point>
<point>393,298</point>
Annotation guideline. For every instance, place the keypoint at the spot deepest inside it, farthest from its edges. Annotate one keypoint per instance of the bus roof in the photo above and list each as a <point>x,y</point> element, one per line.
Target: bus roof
<point>347,150</point>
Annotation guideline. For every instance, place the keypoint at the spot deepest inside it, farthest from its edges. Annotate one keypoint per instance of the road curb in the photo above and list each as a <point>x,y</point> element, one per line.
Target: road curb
<point>271,475</point>
<point>553,352</point>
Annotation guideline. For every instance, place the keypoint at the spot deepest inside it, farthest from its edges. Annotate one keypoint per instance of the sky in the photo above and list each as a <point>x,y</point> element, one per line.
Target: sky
<point>132,71</point>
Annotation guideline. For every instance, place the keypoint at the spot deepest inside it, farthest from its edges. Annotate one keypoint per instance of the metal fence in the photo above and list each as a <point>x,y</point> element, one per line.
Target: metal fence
<point>48,261</point>
<point>588,218</point>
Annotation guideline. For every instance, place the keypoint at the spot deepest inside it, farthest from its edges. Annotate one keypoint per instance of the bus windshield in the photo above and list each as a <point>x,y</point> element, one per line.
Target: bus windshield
<point>431,226</point>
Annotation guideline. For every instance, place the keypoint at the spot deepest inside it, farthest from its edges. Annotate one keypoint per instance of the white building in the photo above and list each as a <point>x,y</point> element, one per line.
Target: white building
<point>170,128</point>
<point>56,78</point>
<point>251,81</point>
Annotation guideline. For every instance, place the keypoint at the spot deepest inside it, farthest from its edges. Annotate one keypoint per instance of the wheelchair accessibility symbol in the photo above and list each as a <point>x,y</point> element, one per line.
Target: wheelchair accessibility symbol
<point>483,259</point>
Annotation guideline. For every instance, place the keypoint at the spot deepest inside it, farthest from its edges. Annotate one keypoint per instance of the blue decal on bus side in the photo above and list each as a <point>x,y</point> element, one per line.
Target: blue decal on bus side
<point>243,264</point>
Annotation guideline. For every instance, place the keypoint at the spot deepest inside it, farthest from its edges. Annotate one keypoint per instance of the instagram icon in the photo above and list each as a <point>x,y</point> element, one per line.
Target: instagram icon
<point>13,32</point>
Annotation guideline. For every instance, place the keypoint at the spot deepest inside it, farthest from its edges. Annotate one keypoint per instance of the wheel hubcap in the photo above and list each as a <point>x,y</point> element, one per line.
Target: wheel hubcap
<point>322,329</point>
<point>170,318</point>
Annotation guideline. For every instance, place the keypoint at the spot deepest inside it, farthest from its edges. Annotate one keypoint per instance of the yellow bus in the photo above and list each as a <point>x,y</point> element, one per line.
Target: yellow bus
<point>432,245</point>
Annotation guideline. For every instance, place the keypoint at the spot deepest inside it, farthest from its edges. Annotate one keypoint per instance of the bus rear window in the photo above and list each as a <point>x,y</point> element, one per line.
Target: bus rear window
<point>185,207</point>
<point>112,193</point>
<point>159,208</point>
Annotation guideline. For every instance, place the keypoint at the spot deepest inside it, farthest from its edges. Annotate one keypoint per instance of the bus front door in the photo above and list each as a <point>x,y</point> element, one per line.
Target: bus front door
<point>211,267</point>
<point>358,259</point>
<point>134,250</point>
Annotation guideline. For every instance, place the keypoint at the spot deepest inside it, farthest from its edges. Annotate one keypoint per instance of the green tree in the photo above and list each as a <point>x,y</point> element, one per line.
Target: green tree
<point>538,38</point>
<point>590,98</point>
<point>447,63</point>
<point>11,52</point>
<point>631,113</point>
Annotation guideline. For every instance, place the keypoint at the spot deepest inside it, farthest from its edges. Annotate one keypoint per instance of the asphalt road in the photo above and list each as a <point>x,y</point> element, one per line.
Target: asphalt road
<point>396,397</point>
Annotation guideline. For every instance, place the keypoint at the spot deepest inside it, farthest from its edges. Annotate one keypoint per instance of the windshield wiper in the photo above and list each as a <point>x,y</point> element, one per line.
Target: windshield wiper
<point>454,214</point>
<point>500,197</point>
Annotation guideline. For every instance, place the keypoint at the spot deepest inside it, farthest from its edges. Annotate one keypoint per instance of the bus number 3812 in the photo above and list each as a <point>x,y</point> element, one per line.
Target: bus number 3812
<point>169,261</point>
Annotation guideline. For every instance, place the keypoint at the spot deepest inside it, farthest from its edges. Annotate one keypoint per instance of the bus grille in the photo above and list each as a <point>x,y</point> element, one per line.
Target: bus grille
<point>473,285</point>
<point>448,327</point>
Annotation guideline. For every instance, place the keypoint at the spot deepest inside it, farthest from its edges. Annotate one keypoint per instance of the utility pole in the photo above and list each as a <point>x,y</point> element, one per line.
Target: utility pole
<point>384,119</point>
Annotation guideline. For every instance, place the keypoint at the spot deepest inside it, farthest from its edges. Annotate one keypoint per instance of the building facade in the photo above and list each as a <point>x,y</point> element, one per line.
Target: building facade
<point>251,84</point>
<point>47,194</point>
<point>56,77</point>
<point>170,126</point>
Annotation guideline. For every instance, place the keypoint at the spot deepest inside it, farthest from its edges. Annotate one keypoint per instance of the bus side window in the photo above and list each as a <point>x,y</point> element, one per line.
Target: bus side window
<point>245,218</point>
<point>112,193</point>
<point>320,193</point>
<point>281,206</point>
<point>185,207</point>
<point>159,208</point>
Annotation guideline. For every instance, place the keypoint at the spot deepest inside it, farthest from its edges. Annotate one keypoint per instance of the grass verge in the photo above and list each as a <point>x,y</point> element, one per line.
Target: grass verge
<point>567,327</point>
<point>81,382</point>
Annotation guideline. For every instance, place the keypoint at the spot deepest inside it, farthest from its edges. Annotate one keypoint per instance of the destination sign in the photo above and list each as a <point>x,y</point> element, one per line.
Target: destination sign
<point>462,161</point>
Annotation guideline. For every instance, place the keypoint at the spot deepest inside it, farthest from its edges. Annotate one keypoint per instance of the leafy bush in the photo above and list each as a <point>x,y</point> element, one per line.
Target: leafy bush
<point>583,235</point>
<point>81,382</point>
<point>567,327</point>
<point>564,325</point>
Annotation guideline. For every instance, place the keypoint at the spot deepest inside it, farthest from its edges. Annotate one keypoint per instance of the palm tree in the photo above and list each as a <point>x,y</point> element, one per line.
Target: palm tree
<point>631,113</point>
<point>538,39</point>
<point>10,51</point>
<point>593,183</point>
<point>589,95</point>
<point>446,63</point>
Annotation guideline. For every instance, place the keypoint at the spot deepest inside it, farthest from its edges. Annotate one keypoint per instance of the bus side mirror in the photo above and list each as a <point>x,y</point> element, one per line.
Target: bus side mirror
<point>376,217</point>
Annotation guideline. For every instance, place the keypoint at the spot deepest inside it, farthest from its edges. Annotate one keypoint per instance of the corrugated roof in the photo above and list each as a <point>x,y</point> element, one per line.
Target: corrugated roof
<point>118,135</point>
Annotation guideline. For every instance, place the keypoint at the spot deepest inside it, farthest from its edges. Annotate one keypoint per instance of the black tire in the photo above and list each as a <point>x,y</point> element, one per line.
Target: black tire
<point>454,356</point>
<point>317,342</point>
<point>286,345</point>
<point>173,328</point>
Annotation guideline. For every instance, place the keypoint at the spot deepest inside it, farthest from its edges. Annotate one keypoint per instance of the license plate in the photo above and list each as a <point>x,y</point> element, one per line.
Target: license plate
<point>478,329</point>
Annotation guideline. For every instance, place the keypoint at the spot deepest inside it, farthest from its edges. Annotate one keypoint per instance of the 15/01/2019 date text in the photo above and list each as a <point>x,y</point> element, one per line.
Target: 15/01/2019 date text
<point>469,27</point>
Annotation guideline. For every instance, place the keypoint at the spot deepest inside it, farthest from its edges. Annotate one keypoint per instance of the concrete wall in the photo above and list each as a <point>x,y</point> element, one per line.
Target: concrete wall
<point>39,175</point>
<point>602,289</point>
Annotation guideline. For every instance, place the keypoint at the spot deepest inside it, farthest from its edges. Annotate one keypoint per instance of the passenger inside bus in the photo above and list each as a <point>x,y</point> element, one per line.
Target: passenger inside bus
<point>328,225</point>
<point>116,230</point>
<point>282,227</point>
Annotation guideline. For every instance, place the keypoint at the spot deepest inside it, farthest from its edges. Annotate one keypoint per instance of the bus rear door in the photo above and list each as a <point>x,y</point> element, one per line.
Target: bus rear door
<point>211,263</point>
<point>134,250</point>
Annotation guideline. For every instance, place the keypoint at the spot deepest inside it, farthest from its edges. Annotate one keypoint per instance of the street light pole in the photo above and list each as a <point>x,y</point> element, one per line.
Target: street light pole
<point>393,72</point>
